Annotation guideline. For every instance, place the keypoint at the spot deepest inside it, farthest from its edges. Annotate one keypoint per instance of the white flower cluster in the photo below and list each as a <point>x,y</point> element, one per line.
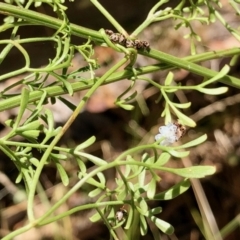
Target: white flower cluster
<point>170,133</point>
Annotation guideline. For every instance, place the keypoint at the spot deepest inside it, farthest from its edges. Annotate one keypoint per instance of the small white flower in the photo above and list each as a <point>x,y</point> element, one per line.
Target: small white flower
<point>170,133</point>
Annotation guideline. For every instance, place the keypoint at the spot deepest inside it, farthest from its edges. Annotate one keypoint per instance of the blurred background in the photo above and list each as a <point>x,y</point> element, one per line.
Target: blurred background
<point>117,130</point>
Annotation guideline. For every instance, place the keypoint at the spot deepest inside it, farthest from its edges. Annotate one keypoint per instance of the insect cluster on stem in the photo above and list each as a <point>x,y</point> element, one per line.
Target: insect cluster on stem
<point>128,43</point>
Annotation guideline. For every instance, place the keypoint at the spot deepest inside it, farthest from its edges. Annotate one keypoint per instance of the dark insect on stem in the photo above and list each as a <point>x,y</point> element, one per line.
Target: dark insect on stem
<point>128,43</point>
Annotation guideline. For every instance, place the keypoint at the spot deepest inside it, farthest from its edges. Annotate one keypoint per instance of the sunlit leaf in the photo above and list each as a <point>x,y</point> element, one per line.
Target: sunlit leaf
<point>151,188</point>
<point>174,191</point>
<point>130,218</point>
<point>81,165</point>
<point>37,4</point>
<point>50,120</point>
<point>169,79</point>
<point>125,106</point>
<point>178,154</point>
<point>19,178</point>
<point>185,120</point>
<point>58,156</point>
<point>213,91</point>
<point>162,225</point>
<point>154,211</point>
<point>143,207</point>
<point>95,192</point>
<point>34,125</point>
<point>62,173</point>
<point>182,105</point>
<point>192,172</point>
<point>30,134</point>
<point>95,183</point>
<point>86,144</point>
<point>223,72</point>
<point>97,161</point>
<point>121,196</point>
<point>96,217</point>
<point>23,105</point>
<point>143,225</point>
<point>101,178</point>
<point>141,177</point>
<point>34,161</point>
<point>194,142</point>
<point>163,159</point>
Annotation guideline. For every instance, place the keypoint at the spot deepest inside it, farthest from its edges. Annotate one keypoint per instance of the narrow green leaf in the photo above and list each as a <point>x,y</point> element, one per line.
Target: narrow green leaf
<point>174,191</point>
<point>34,161</point>
<point>130,218</point>
<point>97,161</point>
<point>182,105</point>
<point>35,125</point>
<point>154,211</point>
<point>9,19</point>
<point>95,218</point>
<point>193,172</point>
<point>23,106</point>
<point>9,123</point>
<point>86,144</point>
<point>233,61</point>
<point>213,91</point>
<point>171,90</point>
<point>185,120</point>
<point>19,178</point>
<point>50,120</point>
<point>95,192</point>
<point>67,85</point>
<point>127,107</point>
<point>95,183</point>
<point>194,142</point>
<point>37,4</point>
<point>131,97</point>
<point>143,207</point>
<point>101,178</point>
<point>62,173</point>
<point>112,214</point>
<point>58,156</point>
<point>178,154</point>
<point>30,134</point>
<point>162,225</point>
<point>141,178</point>
<point>223,72</point>
<point>127,170</point>
<point>163,159</point>
<point>81,165</point>
<point>8,152</point>
<point>143,225</point>
<point>151,189</point>
<point>169,79</point>
<point>121,196</point>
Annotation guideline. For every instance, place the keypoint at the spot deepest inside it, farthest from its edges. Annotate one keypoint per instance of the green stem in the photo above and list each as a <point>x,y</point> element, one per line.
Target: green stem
<point>61,133</point>
<point>44,20</point>
<point>109,17</point>
<point>119,161</point>
<point>150,18</point>
<point>79,86</point>
<point>85,33</point>
<point>32,145</point>
<point>191,67</point>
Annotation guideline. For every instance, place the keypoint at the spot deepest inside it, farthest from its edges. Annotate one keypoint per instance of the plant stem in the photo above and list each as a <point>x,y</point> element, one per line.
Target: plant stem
<point>61,133</point>
<point>109,17</point>
<point>78,86</point>
<point>51,22</point>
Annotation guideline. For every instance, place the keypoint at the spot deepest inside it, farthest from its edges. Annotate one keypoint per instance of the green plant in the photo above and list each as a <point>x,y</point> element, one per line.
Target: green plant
<point>133,190</point>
